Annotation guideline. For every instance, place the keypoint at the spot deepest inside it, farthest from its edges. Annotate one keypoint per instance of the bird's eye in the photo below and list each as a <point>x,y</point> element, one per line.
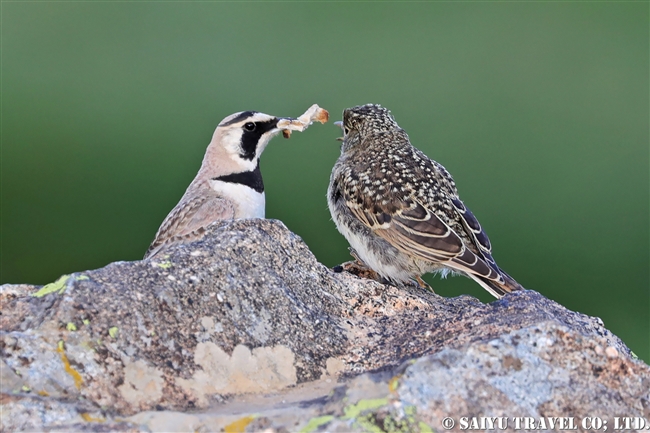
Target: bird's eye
<point>346,131</point>
<point>250,126</point>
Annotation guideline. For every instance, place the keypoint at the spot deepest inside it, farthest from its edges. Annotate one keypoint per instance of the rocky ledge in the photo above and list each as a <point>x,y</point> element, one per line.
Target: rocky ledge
<point>245,331</point>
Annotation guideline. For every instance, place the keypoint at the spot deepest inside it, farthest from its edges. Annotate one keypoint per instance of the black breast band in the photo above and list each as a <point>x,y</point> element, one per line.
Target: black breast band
<point>252,179</point>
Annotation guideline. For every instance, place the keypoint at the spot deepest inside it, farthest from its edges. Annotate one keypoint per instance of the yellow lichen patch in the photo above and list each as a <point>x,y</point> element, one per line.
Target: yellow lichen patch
<point>164,265</point>
<point>354,410</point>
<point>393,383</point>
<point>68,368</point>
<point>389,423</point>
<point>57,286</point>
<point>239,426</point>
<point>89,418</point>
<point>314,423</point>
<point>81,278</point>
<point>71,327</point>
<point>113,332</point>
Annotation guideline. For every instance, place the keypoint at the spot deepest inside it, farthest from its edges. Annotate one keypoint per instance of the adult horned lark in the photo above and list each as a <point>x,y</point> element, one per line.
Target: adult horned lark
<point>229,183</point>
<point>400,210</point>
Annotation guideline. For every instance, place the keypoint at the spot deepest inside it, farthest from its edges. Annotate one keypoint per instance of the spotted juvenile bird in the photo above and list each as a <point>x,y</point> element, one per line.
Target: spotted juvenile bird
<point>229,183</point>
<point>400,210</point>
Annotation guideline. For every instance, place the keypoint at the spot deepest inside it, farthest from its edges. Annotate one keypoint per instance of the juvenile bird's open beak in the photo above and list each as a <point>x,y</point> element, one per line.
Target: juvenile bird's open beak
<point>340,125</point>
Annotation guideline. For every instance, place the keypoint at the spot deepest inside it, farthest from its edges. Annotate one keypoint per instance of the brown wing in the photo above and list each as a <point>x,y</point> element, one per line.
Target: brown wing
<point>188,220</point>
<point>419,232</point>
<point>413,230</point>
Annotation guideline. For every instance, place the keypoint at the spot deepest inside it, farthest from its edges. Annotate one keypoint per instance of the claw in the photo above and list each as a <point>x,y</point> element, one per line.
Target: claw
<point>423,284</point>
<point>360,270</point>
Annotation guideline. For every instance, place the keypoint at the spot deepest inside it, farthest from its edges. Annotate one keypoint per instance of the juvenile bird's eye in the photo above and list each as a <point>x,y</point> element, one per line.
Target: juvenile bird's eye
<point>250,126</point>
<point>346,131</point>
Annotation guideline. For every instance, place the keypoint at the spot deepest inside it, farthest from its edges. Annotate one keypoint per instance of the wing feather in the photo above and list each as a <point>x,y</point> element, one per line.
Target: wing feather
<point>421,233</point>
<point>188,220</point>
<point>476,233</point>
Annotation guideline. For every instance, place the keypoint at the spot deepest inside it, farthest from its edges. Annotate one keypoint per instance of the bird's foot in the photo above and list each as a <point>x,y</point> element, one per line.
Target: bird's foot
<point>358,268</point>
<point>423,285</point>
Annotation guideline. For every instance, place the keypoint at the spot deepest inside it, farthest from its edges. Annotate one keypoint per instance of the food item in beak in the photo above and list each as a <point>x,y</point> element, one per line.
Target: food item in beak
<point>313,113</point>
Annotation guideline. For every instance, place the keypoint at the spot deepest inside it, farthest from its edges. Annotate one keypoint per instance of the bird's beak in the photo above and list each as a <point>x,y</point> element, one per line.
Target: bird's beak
<point>340,125</point>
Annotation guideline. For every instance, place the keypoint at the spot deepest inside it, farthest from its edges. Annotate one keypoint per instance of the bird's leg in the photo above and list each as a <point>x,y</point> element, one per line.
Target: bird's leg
<point>354,254</point>
<point>423,284</point>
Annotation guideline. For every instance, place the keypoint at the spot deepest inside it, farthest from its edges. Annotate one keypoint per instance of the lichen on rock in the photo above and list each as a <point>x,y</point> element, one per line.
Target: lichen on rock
<point>264,369</point>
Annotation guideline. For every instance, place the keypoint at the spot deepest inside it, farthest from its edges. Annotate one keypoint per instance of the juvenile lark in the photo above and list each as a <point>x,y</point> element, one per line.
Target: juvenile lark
<point>400,210</point>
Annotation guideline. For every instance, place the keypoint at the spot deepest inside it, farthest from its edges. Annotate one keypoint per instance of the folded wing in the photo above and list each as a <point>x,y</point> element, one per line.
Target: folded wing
<point>188,221</point>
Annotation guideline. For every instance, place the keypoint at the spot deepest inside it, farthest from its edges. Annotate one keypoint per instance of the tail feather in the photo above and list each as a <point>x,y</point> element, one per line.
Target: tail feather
<point>499,290</point>
<point>487,280</point>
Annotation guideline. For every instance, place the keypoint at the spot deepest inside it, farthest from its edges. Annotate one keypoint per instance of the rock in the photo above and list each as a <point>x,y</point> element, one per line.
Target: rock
<point>245,330</point>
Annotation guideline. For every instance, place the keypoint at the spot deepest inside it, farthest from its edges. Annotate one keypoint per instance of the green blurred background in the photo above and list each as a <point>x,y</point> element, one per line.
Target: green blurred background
<point>539,111</point>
